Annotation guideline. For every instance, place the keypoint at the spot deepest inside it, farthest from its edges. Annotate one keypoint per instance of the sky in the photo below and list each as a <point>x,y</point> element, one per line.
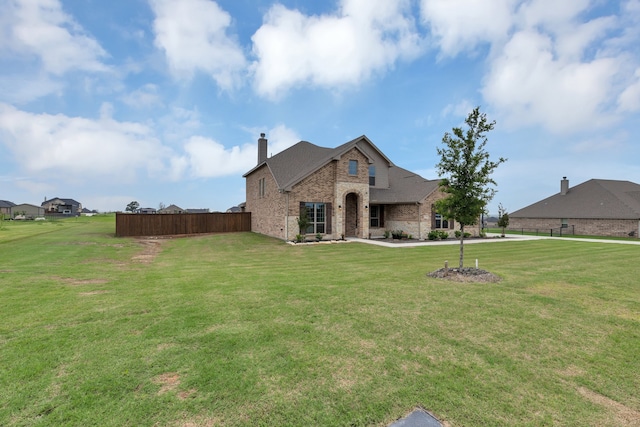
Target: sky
<point>162,101</point>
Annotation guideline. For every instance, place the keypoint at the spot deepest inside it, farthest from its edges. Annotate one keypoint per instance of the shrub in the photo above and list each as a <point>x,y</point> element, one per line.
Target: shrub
<point>433,235</point>
<point>387,233</point>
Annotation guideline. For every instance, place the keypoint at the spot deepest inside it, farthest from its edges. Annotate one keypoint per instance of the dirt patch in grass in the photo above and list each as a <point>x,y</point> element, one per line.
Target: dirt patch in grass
<point>624,416</point>
<point>78,282</point>
<point>472,275</point>
<point>151,247</point>
<point>167,382</point>
<point>84,294</point>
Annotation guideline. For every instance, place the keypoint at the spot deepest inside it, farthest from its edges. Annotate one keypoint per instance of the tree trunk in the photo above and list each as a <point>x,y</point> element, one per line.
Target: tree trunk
<point>461,245</point>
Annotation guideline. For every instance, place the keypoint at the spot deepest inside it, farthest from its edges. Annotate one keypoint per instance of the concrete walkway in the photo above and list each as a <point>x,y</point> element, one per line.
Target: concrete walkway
<point>491,238</point>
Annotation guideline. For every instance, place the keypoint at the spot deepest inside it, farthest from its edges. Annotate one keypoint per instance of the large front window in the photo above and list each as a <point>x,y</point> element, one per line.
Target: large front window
<point>316,213</point>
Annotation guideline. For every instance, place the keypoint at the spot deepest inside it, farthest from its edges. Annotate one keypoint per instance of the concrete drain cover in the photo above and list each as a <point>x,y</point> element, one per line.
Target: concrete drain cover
<point>418,418</point>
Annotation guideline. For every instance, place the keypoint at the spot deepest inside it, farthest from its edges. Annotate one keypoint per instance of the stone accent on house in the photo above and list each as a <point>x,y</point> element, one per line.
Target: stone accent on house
<point>580,226</point>
<point>361,191</point>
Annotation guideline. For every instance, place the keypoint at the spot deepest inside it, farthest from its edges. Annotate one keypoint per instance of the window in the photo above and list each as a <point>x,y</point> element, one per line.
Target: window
<point>376,216</point>
<point>353,167</point>
<point>261,185</point>
<point>564,222</point>
<point>372,175</point>
<point>316,212</point>
<point>441,222</point>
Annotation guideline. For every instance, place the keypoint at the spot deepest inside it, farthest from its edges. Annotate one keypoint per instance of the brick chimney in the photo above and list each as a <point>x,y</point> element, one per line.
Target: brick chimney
<point>564,185</point>
<point>262,149</point>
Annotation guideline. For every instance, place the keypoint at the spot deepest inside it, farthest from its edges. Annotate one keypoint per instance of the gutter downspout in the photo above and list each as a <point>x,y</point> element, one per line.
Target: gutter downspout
<point>286,220</point>
<point>419,221</point>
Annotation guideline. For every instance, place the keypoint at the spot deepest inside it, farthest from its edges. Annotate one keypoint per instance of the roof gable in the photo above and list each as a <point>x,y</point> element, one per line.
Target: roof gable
<point>297,162</point>
<point>596,198</point>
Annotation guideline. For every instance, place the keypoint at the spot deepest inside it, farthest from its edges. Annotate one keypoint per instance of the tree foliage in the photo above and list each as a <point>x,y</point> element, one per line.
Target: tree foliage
<point>503,218</point>
<point>133,206</point>
<point>466,171</point>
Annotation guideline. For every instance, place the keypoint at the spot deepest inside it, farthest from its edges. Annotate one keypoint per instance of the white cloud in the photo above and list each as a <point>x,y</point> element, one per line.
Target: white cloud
<point>208,158</point>
<point>41,28</point>
<point>530,84</point>
<point>462,25</point>
<point>144,97</point>
<point>336,50</point>
<point>552,64</point>
<point>75,147</point>
<point>193,35</point>
<point>629,100</point>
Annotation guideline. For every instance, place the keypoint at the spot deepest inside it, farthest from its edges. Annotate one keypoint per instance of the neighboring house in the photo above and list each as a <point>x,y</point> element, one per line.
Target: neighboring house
<point>28,210</point>
<point>62,206</point>
<point>147,211</point>
<point>236,209</point>
<point>171,209</point>
<point>598,207</point>
<point>203,210</point>
<point>352,190</point>
<point>5,207</point>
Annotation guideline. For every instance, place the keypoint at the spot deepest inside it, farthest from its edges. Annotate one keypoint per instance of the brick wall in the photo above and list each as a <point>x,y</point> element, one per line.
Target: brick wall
<point>268,212</point>
<point>589,227</point>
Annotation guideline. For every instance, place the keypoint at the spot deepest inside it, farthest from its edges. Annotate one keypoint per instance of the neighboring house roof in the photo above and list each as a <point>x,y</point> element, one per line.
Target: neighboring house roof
<point>596,198</point>
<point>6,204</point>
<point>404,187</point>
<point>299,161</point>
<point>171,209</point>
<point>28,205</point>
<point>234,209</point>
<point>65,201</point>
<point>205,210</point>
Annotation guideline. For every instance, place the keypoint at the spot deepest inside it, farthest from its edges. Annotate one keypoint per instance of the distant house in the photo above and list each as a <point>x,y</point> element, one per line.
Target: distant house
<point>171,209</point>
<point>203,210</point>
<point>5,207</point>
<point>29,211</point>
<point>350,190</point>
<point>62,206</point>
<point>598,207</point>
<point>236,209</point>
<point>147,210</point>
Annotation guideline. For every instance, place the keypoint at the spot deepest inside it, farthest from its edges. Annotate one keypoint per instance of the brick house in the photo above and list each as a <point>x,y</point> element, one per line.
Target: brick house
<point>352,190</point>
<point>598,207</point>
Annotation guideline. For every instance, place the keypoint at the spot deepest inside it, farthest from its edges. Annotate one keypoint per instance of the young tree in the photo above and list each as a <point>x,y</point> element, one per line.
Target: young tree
<point>503,218</point>
<point>466,171</point>
<point>133,206</point>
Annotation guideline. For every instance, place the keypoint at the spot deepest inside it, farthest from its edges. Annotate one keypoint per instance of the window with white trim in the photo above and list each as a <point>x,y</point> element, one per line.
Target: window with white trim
<point>353,167</point>
<point>316,213</point>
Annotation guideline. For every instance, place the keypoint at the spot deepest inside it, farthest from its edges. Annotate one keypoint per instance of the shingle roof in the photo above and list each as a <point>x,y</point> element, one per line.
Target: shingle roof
<point>404,187</point>
<point>6,204</point>
<point>302,159</point>
<point>596,198</point>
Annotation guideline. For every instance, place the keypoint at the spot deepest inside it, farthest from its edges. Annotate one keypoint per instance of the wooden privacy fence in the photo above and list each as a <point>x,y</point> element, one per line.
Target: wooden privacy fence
<point>184,223</point>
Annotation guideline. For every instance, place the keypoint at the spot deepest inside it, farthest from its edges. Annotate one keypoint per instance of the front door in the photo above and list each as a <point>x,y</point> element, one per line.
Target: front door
<point>351,215</point>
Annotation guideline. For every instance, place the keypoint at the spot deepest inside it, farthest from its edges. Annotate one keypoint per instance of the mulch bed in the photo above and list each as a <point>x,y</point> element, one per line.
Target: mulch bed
<point>466,274</point>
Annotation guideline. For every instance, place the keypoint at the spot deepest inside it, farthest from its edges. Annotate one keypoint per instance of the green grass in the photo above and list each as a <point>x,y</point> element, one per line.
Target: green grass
<point>244,330</point>
<point>545,232</point>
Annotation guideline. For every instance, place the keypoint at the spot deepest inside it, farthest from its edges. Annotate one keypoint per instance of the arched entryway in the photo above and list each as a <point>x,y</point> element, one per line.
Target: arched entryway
<point>351,215</point>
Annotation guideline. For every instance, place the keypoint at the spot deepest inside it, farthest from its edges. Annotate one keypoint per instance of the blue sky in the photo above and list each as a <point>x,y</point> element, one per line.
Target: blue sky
<point>162,101</point>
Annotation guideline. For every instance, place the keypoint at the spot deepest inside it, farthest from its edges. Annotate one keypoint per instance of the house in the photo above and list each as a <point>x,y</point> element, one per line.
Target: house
<point>598,207</point>
<point>198,210</point>
<point>351,190</point>
<point>27,210</point>
<point>5,207</point>
<point>62,206</point>
<point>147,211</point>
<point>171,209</point>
